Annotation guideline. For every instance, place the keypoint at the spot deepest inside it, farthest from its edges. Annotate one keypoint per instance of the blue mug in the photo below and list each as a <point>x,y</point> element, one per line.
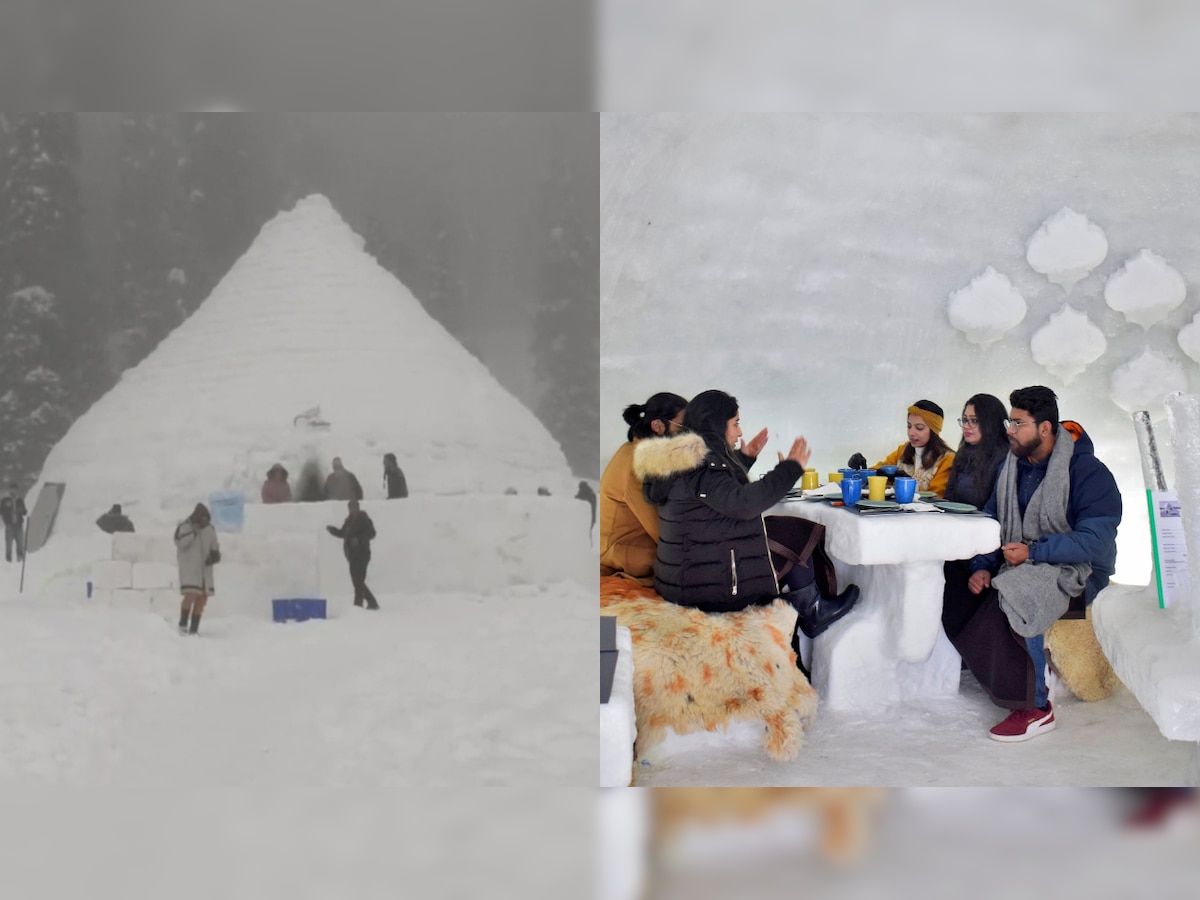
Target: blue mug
<point>906,489</point>
<point>851,490</point>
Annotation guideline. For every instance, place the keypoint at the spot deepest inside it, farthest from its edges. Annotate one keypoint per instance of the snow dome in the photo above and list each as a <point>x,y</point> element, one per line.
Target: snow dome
<point>307,349</point>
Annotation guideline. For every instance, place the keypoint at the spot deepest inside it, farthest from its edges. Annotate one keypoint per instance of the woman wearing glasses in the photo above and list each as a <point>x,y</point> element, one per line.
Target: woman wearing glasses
<point>926,457</point>
<point>982,451</point>
<point>972,477</point>
<point>628,524</point>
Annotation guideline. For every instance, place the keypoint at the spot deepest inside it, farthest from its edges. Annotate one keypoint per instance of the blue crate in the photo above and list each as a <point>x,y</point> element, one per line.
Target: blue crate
<point>298,610</point>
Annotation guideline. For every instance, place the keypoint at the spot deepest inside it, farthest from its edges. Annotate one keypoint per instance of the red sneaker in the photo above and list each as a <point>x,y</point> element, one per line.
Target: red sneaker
<point>1023,724</point>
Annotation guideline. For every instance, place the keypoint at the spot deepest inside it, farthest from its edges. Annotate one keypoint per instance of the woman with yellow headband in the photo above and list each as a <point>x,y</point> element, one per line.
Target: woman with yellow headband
<point>925,457</point>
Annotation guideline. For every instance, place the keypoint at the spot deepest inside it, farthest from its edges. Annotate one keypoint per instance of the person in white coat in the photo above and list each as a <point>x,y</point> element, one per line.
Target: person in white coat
<point>197,550</point>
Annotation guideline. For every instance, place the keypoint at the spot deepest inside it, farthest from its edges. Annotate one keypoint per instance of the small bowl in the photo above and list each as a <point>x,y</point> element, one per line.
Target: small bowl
<point>889,471</point>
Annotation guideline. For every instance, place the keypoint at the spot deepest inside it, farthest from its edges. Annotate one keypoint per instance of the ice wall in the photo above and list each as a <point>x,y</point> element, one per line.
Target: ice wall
<point>804,263</point>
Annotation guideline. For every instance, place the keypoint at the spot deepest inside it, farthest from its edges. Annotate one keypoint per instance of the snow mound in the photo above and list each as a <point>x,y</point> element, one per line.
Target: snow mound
<point>1145,289</point>
<point>1144,382</point>
<point>1189,338</point>
<point>305,319</point>
<point>1066,248</point>
<point>986,308</point>
<point>1067,344</point>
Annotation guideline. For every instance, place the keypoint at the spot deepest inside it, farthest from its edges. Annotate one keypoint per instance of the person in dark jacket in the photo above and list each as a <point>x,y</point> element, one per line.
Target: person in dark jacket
<point>977,461</point>
<point>341,483</point>
<point>712,546</point>
<point>393,478</point>
<point>356,533</point>
<point>1059,509</point>
<point>114,520</point>
<point>588,495</point>
<point>13,512</point>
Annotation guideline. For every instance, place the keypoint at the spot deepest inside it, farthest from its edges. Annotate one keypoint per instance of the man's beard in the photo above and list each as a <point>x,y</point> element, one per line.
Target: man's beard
<point>1026,449</point>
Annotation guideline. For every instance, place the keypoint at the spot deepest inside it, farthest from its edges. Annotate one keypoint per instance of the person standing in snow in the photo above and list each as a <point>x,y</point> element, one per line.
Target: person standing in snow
<point>13,512</point>
<point>276,488</point>
<point>356,533</point>
<point>393,478</point>
<point>341,483</point>
<point>114,520</point>
<point>586,494</point>
<point>197,551</point>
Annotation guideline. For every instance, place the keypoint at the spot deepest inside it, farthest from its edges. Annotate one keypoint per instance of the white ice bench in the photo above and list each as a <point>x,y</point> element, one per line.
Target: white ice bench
<point>1156,655</point>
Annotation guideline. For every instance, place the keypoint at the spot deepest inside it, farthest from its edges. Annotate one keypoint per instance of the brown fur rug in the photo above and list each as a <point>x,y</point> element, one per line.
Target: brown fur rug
<point>696,671</point>
<point>1076,656</point>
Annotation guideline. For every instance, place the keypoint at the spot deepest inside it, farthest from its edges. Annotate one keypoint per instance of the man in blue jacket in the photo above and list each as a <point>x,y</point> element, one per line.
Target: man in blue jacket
<point>1058,508</point>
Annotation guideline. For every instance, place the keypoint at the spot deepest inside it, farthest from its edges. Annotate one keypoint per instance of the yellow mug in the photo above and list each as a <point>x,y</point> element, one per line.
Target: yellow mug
<point>809,481</point>
<point>876,487</point>
<point>835,477</point>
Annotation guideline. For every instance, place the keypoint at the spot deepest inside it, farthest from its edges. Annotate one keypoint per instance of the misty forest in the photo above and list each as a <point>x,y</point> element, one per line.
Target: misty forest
<point>115,227</point>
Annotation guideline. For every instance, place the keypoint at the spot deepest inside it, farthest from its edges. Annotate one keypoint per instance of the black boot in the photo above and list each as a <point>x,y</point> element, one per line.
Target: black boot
<point>183,620</point>
<point>816,612</point>
<point>195,626</point>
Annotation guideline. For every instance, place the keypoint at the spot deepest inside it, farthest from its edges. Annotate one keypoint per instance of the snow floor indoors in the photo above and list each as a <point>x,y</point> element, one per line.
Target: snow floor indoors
<point>1111,742</point>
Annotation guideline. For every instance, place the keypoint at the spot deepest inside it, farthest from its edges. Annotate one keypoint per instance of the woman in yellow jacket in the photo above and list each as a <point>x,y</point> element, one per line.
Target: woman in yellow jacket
<point>926,457</point>
<point>628,524</point>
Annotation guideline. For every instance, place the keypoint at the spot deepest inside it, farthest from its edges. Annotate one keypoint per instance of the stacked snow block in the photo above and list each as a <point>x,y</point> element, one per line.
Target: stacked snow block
<point>141,586</point>
<point>143,573</point>
<point>471,544</point>
<point>425,544</point>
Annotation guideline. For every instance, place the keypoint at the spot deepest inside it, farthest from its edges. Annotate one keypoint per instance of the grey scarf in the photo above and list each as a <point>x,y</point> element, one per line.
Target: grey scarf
<point>1034,595</point>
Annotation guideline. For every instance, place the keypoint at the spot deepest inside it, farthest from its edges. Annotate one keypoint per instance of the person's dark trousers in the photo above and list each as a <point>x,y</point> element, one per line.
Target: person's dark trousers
<point>358,575</point>
<point>997,655</point>
<point>14,535</point>
<point>959,605</point>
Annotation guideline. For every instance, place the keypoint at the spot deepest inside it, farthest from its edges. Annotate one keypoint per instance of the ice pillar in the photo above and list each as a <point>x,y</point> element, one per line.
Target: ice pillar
<point>1183,417</point>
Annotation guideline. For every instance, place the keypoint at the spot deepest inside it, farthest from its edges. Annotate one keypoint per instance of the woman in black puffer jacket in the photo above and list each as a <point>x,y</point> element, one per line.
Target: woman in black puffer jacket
<point>712,545</point>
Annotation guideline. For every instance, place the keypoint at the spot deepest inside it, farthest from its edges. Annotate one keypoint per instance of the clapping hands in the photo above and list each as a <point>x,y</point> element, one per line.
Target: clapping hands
<point>799,452</point>
<point>755,446</point>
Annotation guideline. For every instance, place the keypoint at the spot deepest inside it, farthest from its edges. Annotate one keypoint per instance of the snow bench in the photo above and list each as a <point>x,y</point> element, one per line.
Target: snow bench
<point>1157,656</point>
<point>696,671</point>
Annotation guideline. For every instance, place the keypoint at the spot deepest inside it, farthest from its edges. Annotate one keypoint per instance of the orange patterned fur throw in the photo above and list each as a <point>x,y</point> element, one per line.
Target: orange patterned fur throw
<point>696,671</point>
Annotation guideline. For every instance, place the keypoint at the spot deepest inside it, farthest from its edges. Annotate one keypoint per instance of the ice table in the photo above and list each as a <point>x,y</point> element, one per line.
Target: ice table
<point>891,647</point>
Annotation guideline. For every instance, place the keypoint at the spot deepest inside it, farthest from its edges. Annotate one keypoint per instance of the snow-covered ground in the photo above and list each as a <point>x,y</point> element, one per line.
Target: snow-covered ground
<point>435,689</point>
<point>192,843</point>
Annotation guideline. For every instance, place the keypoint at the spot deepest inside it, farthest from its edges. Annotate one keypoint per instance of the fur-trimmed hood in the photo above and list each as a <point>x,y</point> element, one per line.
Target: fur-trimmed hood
<point>664,458</point>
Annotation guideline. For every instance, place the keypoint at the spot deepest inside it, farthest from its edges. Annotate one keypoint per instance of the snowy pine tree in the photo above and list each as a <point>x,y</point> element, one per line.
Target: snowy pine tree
<point>48,330</point>
<point>567,327</point>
